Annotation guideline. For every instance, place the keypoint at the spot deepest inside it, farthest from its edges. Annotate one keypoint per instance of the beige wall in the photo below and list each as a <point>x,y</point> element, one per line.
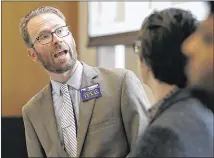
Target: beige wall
<point>21,77</point>
<point>132,61</point>
<point>87,55</point>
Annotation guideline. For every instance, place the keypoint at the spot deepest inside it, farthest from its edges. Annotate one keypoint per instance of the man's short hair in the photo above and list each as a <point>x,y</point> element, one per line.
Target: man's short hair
<point>163,33</point>
<point>41,10</point>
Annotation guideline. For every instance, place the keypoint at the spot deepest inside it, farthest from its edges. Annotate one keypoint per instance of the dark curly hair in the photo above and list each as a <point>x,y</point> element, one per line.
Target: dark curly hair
<point>163,33</point>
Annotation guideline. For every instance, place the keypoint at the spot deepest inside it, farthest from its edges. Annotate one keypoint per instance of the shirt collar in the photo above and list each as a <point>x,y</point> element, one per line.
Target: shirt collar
<point>74,81</point>
<point>153,110</point>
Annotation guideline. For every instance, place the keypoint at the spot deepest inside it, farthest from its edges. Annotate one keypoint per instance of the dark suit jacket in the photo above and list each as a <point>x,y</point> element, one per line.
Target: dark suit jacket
<point>108,126</point>
<point>182,127</point>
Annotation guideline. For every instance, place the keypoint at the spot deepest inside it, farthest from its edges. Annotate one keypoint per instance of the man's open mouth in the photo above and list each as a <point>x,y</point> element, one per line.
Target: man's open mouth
<point>60,54</point>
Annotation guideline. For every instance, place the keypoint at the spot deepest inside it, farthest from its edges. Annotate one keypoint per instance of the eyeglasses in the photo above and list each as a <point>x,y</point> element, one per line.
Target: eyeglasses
<point>47,37</point>
<point>137,46</point>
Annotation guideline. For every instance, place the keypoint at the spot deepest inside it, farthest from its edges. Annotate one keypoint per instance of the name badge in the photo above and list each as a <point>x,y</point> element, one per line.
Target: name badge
<point>90,92</point>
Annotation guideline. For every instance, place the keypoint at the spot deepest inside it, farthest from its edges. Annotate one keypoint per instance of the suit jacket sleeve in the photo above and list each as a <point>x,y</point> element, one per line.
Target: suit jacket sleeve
<point>159,142</point>
<point>34,147</point>
<point>133,102</point>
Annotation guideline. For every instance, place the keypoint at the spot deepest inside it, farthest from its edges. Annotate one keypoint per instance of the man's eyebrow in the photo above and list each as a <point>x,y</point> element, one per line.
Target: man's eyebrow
<point>205,29</point>
<point>48,30</point>
<point>205,25</point>
<point>44,31</point>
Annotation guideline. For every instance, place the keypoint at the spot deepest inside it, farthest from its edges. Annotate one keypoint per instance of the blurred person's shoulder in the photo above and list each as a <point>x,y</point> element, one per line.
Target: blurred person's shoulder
<point>186,116</point>
<point>190,121</point>
<point>183,109</point>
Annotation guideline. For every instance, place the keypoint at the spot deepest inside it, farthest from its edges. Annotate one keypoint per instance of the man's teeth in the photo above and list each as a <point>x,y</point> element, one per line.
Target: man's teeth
<point>62,53</point>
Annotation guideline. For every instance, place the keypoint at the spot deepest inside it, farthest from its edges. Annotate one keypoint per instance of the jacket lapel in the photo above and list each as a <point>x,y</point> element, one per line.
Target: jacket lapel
<point>48,116</point>
<point>89,78</point>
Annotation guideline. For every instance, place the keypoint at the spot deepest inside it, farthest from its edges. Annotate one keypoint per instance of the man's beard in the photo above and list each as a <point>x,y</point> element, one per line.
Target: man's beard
<point>206,97</point>
<point>49,66</point>
<point>206,82</point>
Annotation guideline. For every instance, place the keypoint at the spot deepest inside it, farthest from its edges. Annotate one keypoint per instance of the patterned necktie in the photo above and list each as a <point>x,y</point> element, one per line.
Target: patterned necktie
<point>68,123</point>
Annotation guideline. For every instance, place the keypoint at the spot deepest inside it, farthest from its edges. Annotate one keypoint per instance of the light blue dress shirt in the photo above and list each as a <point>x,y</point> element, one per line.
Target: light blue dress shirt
<point>74,83</point>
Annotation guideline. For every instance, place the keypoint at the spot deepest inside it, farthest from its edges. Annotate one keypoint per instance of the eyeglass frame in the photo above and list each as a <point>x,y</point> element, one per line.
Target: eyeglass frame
<point>137,46</point>
<point>53,32</point>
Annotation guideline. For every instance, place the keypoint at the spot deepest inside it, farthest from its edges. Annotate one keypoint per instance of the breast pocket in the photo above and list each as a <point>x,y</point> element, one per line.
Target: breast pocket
<point>101,125</point>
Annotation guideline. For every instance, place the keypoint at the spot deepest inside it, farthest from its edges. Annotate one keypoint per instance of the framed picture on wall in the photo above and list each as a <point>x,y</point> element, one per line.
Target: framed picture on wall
<point>114,18</point>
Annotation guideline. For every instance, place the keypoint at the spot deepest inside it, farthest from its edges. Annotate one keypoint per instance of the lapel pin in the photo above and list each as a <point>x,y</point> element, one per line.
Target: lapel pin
<point>90,92</point>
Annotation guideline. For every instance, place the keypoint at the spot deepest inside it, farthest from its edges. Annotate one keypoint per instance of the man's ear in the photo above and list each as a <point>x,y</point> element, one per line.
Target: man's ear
<point>32,54</point>
<point>74,43</point>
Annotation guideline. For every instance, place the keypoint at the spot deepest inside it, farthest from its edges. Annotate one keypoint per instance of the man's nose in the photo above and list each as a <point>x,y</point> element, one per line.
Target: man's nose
<point>189,45</point>
<point>56,39</point>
